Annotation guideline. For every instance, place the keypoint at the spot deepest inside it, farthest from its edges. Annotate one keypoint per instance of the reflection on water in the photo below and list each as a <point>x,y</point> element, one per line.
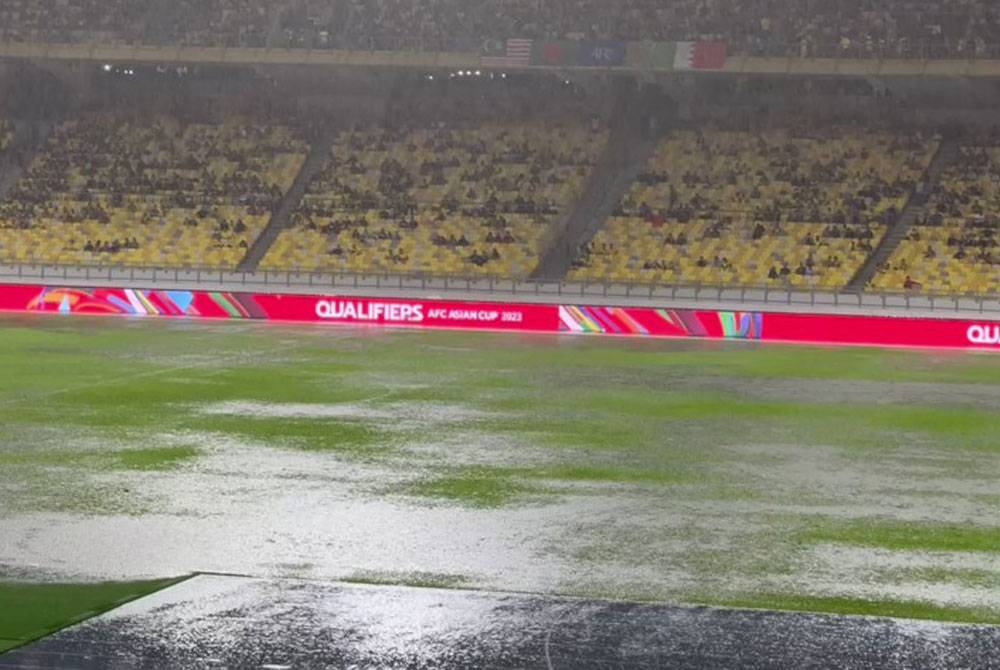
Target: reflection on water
<point>232,622</point>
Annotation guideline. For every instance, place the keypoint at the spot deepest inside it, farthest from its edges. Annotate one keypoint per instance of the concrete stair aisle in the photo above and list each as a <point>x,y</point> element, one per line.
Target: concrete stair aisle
<point>29,139</point>
<point>614,174</point>
<point>275,32</point>
<point>628,150</point>
<point>157,24</point>
<point>318,154</point>
<point>142,27</point>
<point>945,156</point>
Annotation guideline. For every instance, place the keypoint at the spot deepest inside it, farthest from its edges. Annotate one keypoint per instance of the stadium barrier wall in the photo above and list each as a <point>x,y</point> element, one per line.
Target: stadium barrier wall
<point>839,330</point>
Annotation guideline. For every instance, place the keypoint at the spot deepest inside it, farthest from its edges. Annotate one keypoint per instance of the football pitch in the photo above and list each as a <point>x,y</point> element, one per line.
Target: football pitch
<point>841,481</point>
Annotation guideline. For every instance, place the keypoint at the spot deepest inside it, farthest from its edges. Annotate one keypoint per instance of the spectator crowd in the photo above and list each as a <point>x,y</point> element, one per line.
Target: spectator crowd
<point>149,191</point>
<point>73,20</point>
<point>474,199</point>
<point>954,247</point>
<point>6,133</point>
<point>796,206</point>
<point>807,28</point>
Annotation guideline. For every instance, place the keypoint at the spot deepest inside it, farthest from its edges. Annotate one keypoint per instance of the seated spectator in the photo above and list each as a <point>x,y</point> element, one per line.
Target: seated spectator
<point>846,29</point>
<point>147,181</point>
<point>455,195</point>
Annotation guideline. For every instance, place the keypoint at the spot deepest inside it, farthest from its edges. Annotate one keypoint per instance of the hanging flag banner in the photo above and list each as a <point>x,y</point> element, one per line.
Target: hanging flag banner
<point>652,55</point>
<point>512,53</point>
<point>563,52</point>
<point>700,56</point>
<point>648,55</point>
<point>602,54</point>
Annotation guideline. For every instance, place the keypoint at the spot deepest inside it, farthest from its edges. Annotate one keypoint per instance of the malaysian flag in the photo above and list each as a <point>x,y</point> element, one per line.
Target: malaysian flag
<point>512,53</point>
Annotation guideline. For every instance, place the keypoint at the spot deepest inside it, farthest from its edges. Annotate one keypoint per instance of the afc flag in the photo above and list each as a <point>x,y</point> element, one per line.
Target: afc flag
<point>602,54</point>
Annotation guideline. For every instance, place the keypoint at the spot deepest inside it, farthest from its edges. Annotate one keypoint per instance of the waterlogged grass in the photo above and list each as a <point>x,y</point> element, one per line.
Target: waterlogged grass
<point>83,479</point>
<point>680,429</point>
<point>482,488</point>
<point>972,578</point>
<point>624,419</point>
<point>429,580</point>
<point>886,534</point>
<point>749,361</point>
<point>609,474</point>
<point>32,611</point>
<point>272,382</point>
<point>163,458</point>
<point>307,434</point>
<point>616,407</point>
<point>75,492</point>
<point>854,607</point>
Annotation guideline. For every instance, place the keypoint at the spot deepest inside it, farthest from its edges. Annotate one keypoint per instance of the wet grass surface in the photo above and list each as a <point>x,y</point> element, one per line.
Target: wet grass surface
<point>634,470</point>
<point>347,437</point>
<point>232,622</point>
<point>424,580</point>
<point>478,488</point>
<point>856,607</point>
<point>498,487</point>
<point>163,458</point>
<point>885,534</point>
<point>32,611</point>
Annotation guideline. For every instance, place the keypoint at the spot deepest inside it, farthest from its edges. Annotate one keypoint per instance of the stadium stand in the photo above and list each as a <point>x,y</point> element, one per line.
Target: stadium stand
<point>777,207</point>
<point>953,249</point>
<point>482,174</point>
<point>6,133</point>
<point>144,191</point>
<point>225,23</point>
<point>810,28</point>
<point>69,21</point>
<point>850,28</point>
<point>475,201</point>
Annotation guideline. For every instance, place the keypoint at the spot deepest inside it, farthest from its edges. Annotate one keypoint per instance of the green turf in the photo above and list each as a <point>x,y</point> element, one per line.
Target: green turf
<point>972,578</point>
<point>163,458</point>
<point>885,534</point>
<point>856,607</point>
<point>499,487</point>
<point>31,611</point>
<point>478,488</point>
<point>738,470</point>
<point>308,435</point>
<point>429,580</point>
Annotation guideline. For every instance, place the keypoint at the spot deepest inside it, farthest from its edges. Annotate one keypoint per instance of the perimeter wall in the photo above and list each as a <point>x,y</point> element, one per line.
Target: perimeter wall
<point>514,317</point>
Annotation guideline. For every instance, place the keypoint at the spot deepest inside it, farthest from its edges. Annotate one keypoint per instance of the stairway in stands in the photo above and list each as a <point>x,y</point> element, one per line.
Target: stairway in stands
<point>945,156</point>
<point>158,21</point>
<point>628,150</point>
<point>29,139</point>
<point>318,154</point>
